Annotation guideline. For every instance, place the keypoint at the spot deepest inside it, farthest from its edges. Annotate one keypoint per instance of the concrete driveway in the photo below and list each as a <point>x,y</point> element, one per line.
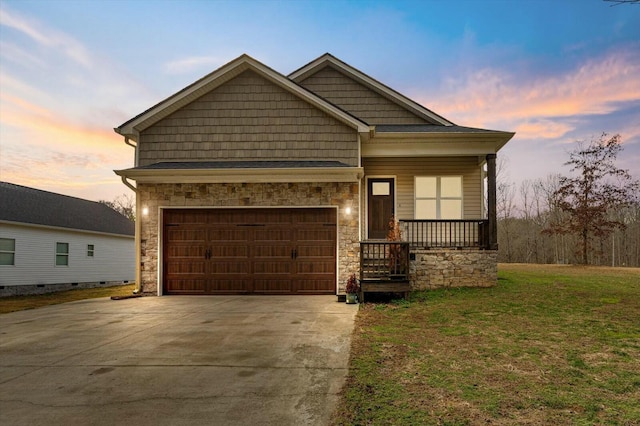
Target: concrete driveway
<point>245,360</point>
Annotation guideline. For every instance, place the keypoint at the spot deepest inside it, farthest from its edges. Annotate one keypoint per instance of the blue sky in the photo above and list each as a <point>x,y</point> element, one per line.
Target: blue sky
<point>553,71</point>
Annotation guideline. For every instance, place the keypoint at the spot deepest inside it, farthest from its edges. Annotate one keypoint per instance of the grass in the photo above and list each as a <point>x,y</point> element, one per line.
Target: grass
<point>20,303</point>
<point>547,345</point>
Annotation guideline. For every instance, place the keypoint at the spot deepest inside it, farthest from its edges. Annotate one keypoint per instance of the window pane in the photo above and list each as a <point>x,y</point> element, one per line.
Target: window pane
<point>380,188</point>
<point>7,244</point>
<point>451,186</point>
<point>426,209</point>
<point>451,209</point>
<point>425,187</point>
<point>62,260</point>
<point>7,259</point>
<point>62,248</point>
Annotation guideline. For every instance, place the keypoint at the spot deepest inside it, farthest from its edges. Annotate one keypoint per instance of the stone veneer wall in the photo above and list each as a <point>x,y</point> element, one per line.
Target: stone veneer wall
<point>154,196</point>
<point>434,269</point>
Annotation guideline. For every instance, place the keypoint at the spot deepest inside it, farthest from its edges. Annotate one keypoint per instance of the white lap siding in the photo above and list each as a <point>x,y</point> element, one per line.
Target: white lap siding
<point>35,257</point>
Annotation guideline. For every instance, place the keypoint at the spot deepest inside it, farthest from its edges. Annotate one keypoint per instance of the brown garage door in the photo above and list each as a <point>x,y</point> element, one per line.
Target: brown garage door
<point>243,251</point>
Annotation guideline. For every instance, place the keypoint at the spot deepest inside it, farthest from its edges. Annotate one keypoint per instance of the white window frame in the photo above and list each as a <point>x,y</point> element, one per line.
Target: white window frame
<point>11,252</point>
<point>91,250</point>
<point>62,254</point>
<point>438,198</point>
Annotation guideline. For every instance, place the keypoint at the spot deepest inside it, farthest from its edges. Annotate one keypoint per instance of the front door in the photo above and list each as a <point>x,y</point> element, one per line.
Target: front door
<point>380,204</point>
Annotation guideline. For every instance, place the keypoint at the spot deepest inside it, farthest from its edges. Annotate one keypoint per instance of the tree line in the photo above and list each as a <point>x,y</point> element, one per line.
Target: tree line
<point>591,216</point>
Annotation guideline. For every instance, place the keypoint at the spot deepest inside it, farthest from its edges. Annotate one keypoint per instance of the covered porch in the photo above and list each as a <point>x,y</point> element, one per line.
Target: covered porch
<point>416,260</point>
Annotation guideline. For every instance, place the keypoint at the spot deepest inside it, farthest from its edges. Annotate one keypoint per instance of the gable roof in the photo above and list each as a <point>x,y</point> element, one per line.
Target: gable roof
<point>220,76</point>
<point>329,60</point>
<point>20,204</point>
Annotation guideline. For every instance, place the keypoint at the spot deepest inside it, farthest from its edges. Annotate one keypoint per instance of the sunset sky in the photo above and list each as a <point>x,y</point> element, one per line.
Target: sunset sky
<point>555,72</point>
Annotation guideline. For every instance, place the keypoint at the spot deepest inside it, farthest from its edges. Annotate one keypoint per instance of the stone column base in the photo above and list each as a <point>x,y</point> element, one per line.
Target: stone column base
<point>434,269</point>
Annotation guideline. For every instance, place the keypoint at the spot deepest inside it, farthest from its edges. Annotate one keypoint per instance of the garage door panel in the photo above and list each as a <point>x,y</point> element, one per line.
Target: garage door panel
<point>185,252</point>
<point>319,215</point>
<point>322,234</point>
<point>227,286</point>
<point>278,251</point>
<point>185,286</point>
<point>227,235</point>
<point>313,285</point>
<point>181,267</point>
<point>316,251</point>
<point>185,235</point>
<point>272,286</point>
<point>265,251</point>
<point>228,267</point>
<point>271,268</point>
<point>315,267</point>
<point>272,235</point>
<point>222,251</point>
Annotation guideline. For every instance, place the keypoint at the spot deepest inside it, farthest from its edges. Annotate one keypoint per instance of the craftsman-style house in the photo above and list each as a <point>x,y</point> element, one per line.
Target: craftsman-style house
<point>250,181</point>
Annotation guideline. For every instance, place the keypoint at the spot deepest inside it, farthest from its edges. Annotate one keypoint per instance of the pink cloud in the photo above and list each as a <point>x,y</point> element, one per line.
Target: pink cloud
<point>47,126</point>
<point>488,97</point>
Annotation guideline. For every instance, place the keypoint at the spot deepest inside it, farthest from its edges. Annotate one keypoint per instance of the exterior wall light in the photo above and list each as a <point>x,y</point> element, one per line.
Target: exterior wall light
<point>347,207</point>
<point>145,211</point>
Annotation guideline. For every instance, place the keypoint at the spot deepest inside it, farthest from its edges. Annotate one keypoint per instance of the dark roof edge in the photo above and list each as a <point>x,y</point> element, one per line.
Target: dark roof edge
<point>64,228</point>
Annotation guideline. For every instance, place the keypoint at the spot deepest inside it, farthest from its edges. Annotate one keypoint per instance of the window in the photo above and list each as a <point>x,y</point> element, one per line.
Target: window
<point>62,254</point>
<point>7,251</point>
<point>438,197</point>
<point>90,250</point>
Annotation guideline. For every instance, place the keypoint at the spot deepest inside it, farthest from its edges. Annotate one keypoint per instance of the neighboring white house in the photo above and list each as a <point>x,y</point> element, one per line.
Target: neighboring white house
<point>52,242</point>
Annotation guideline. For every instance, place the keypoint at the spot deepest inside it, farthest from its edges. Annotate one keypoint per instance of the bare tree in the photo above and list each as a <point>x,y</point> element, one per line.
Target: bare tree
<point>123,204</point>
<point>598,187</point>
<point>505,211</point>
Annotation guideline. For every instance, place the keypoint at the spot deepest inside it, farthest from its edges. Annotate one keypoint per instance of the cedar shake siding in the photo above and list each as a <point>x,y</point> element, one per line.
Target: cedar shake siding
<point>357,99</point>
<point>248,118</point>
<point>405,169</point>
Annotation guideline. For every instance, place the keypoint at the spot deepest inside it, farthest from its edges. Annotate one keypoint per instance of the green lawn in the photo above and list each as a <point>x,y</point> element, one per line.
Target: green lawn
<point>19,303</point>
<point>549,345</point>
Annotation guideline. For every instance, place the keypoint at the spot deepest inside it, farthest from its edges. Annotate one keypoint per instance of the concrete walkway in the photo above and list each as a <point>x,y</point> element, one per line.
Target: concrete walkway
<point>211,360</point>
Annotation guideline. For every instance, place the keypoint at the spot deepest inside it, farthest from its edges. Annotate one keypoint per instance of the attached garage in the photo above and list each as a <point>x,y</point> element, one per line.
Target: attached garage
<point>249,251</point>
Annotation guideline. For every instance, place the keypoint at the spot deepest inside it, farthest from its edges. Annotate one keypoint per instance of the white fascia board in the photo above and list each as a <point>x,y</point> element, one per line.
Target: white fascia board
<point>61,228</point>
<point>132,128</point>
<point>250,175</point>
<point>434,144</point>
<point>371,83</point>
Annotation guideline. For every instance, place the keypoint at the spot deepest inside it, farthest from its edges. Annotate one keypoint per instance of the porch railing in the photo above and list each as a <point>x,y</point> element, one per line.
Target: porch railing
<point>384,261</point>
<point>441,233</point>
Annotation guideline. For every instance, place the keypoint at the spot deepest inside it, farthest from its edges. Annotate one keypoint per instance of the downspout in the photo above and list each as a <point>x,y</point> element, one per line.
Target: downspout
<point>135,147</point>
<point>138,225</point>
<point>137,236</point>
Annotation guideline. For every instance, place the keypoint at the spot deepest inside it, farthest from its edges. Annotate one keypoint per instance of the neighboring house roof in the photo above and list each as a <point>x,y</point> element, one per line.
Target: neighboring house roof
<point>21,204</point>
<point>329,60</point>
<point>220,76</point>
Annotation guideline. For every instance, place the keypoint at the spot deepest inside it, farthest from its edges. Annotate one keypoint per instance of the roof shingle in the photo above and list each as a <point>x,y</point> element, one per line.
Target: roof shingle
<point>29,205</point>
